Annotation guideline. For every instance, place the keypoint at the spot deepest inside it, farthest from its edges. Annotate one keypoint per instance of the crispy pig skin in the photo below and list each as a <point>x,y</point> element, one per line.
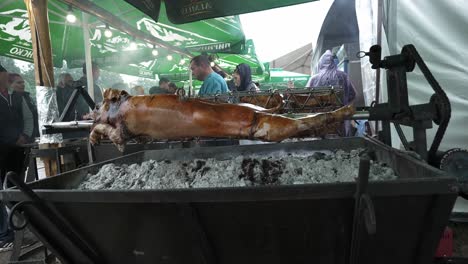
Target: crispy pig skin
<point>122,117</point>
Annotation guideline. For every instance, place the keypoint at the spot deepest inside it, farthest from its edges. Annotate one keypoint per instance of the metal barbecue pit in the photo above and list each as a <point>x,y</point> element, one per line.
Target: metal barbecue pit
<point>398,221</point>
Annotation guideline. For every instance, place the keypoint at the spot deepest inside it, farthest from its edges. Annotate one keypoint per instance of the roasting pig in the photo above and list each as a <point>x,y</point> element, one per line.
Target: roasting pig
<point>122,117</point>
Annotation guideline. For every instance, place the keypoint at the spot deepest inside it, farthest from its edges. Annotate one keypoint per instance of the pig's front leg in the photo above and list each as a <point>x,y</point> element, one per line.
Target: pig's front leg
<point>112,133</point>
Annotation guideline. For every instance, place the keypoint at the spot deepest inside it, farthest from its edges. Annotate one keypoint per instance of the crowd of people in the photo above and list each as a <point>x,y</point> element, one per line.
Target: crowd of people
<point>215,80</point>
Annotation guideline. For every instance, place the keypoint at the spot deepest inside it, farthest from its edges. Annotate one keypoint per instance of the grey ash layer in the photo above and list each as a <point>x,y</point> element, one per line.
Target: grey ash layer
<point>277,168</point>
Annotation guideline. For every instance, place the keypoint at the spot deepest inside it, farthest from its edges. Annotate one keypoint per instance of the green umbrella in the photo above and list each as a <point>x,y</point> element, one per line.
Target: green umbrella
<point>279,79</point>
<point>184,11</point>
<point>213,35</point>
<point>175,67</point>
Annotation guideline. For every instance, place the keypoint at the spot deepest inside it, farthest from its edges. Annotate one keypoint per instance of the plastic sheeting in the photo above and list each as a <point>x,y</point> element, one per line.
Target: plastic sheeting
<point>339,27</point>
<point>48,112</point>
<point>366,11</point>
<point>438,31</point>
<point>367,16</point>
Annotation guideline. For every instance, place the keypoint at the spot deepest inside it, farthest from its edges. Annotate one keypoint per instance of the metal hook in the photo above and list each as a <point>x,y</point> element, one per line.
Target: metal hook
<point>361,54</point>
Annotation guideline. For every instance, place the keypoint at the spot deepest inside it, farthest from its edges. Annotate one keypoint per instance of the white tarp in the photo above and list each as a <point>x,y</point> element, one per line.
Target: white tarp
<point>438,31</point>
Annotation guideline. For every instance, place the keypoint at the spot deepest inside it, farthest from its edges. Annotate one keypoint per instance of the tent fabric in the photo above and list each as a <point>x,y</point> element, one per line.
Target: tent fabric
<point>438,31</point>
<point>295,61</point>
<point>220,35</point>
<point>367,21</point>
<point>339,27</point>
<point>184,11</point>
<point>439,36</point>
<point>279,79</point>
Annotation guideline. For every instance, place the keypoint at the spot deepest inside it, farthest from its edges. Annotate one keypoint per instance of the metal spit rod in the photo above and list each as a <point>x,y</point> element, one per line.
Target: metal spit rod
<point>88,124</point>
<point>359,115</point>
<point>71,124</point>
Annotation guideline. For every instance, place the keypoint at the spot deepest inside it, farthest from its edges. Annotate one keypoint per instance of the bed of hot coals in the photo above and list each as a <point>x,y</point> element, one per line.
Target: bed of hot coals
<point>274,169</point>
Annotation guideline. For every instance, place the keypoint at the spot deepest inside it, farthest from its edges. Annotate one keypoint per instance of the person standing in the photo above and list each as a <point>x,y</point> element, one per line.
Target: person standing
<point>29,109</point>
<point>213,83</point>
<point>138,90</point>
<point>329,75</point>
<point>173,88</point>
<point>163,87</point>
<point>64,92</point>
<point>83,81</point>
<point>242,77</point>
<point>11,139</point>
<point>65,88</point>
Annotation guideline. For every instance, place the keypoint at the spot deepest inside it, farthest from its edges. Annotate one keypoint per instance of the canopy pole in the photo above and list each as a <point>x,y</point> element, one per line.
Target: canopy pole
<point>42,49</point>
<point>43,64</point>
<point>87,50</point>
<point>377,72</point>
<point>190,81</point>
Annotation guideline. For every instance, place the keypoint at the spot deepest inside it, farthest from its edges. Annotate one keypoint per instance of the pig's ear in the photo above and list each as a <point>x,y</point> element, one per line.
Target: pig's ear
<point>107,93</point>
<point>111,95</point>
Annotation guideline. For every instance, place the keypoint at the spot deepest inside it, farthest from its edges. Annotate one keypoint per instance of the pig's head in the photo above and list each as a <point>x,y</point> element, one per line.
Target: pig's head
<point>107,110</point>
<point>113,96</point>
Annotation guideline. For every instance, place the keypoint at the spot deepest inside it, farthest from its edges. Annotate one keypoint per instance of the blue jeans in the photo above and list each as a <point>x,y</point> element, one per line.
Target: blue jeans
<point>6,234</point>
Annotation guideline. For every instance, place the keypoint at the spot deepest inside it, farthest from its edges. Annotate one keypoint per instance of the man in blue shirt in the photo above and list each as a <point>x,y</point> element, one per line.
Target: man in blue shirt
<point>213,83</point>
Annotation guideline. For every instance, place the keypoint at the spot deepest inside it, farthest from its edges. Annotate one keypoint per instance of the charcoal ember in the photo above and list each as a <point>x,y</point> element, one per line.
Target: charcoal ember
<point>261,172</point>
<point>221,173</point>
<point>272,170</point>
<point>198,165</point>
<point>318,155</point>
<point>279,167</point>
<point>248,168</point>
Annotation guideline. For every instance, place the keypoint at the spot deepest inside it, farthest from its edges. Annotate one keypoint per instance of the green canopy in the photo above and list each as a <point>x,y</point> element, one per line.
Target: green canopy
<point>177,69</point>
<point>184,11</point>
<point>214,35</point>
<point>278,79</point>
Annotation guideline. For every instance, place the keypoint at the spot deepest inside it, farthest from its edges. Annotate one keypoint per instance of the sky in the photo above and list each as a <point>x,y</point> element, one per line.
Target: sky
<point>276,32</point>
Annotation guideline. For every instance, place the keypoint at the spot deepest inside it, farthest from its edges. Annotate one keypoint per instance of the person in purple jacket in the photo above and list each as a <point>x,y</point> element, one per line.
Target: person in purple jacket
<point>328,75</point>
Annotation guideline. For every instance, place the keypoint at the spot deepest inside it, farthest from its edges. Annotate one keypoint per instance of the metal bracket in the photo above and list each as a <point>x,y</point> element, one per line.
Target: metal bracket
<point>77,249</point>
<point>398,110</point>
<point>363,209</point>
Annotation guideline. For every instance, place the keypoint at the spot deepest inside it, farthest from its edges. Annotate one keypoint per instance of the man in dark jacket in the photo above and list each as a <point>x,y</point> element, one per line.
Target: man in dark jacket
<point>29,109</point>
<point>11,139</point>
<point>83,81</point>
<point>64,92</point>
<point>163,87</point>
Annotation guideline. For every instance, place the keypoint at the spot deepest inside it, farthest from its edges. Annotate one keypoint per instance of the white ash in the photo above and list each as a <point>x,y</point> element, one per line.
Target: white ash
<point>276,168</point>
